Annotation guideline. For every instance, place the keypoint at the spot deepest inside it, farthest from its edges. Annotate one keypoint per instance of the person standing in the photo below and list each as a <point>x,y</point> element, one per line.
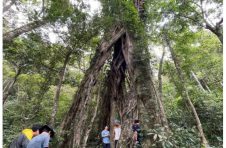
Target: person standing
<point>42,140</point>
<point>105,134</point>
<point>136,132</point>
<point>26,135</point>
<point>117,133</point>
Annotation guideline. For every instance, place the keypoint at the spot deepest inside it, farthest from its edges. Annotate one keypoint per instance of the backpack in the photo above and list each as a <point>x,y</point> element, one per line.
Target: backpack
<point>19,142</point>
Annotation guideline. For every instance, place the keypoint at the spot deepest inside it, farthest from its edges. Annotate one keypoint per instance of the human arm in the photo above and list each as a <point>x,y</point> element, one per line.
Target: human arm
<point>105,134</point>
<point>135,136</point>
<point>114,132</point>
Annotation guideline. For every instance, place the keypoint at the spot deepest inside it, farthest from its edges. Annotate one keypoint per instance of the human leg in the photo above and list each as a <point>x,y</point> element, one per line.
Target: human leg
<point>116,143</point>
<point>108,145</point>
<point>104,145</point>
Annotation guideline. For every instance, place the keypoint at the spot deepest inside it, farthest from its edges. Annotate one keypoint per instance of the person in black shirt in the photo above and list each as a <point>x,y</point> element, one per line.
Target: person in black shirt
<point>136,132</point>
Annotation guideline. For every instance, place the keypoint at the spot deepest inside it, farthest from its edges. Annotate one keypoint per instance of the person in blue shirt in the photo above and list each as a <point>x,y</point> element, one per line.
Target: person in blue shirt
<point>26,135</point>
<point>105,134</point>
<point>42,140</point>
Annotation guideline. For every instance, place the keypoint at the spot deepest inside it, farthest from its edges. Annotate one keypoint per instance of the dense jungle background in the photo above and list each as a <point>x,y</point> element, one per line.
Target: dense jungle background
<point>79,65</point>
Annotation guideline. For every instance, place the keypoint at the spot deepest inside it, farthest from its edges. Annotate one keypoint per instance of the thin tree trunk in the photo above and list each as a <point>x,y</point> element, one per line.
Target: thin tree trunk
<point>6,85</point>
<point>57,94</point>
<point>197,80</point>
<point>7,92</point>
<point>185,93</point>
<point>7,7</point>
<point>207,87</point>
<point>204,85</point>
<point>83,94</point>
<point>9,36</point>
<point>160,101</point>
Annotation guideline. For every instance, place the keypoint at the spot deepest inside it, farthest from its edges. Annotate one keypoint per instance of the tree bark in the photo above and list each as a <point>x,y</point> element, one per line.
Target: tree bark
<point>146,90</point>
<point>6,86</point>
<point>185,93</point>
<point>204,85</point>
<point>217,30</point>
<point>83,94</point>
<point>7,92</point>
<point>7,7</point>
<point>90,125</point>
<point>160,101</point>
<point>105,106</point>
<point>197,80</point>
<point>9,36</point>
<point>57,94</point>
<point>130,102</point>
<point>78,130</point>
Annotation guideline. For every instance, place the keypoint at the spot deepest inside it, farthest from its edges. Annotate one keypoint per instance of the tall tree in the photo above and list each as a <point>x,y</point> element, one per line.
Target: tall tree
<point>185,92</point>
<point>57,94</point>
<point>77,44</point>
<point>160,101</point>
<point>83,94</point>
<point>24,57</point>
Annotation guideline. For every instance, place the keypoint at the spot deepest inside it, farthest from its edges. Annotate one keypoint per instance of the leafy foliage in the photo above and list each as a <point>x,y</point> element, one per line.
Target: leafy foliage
<point>40,61</point>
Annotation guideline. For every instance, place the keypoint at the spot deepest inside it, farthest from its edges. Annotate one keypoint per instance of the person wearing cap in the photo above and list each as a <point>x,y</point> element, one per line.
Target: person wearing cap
<point>42,140</point>
<point>27,134</point>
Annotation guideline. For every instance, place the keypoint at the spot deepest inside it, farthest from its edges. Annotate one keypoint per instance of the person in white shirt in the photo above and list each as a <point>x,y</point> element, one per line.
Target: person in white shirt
<point>117,133</point>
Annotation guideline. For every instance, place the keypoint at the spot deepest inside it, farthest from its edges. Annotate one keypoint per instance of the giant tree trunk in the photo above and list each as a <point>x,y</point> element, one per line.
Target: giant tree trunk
<point>144,84</point>
<point>117,79</point>
<point>10,87</point>
<point>126,104</point>
<point>9,36</point>
<point>57,94</point>
<point>185,93</point>
<point>81,130</point>
<point>129,103</point>
<point>83,94</point>
<point>105,106</point>
<point>129,113</point>
<point>160,101</point>
<point>114,102</point>
<point>145,88</point>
